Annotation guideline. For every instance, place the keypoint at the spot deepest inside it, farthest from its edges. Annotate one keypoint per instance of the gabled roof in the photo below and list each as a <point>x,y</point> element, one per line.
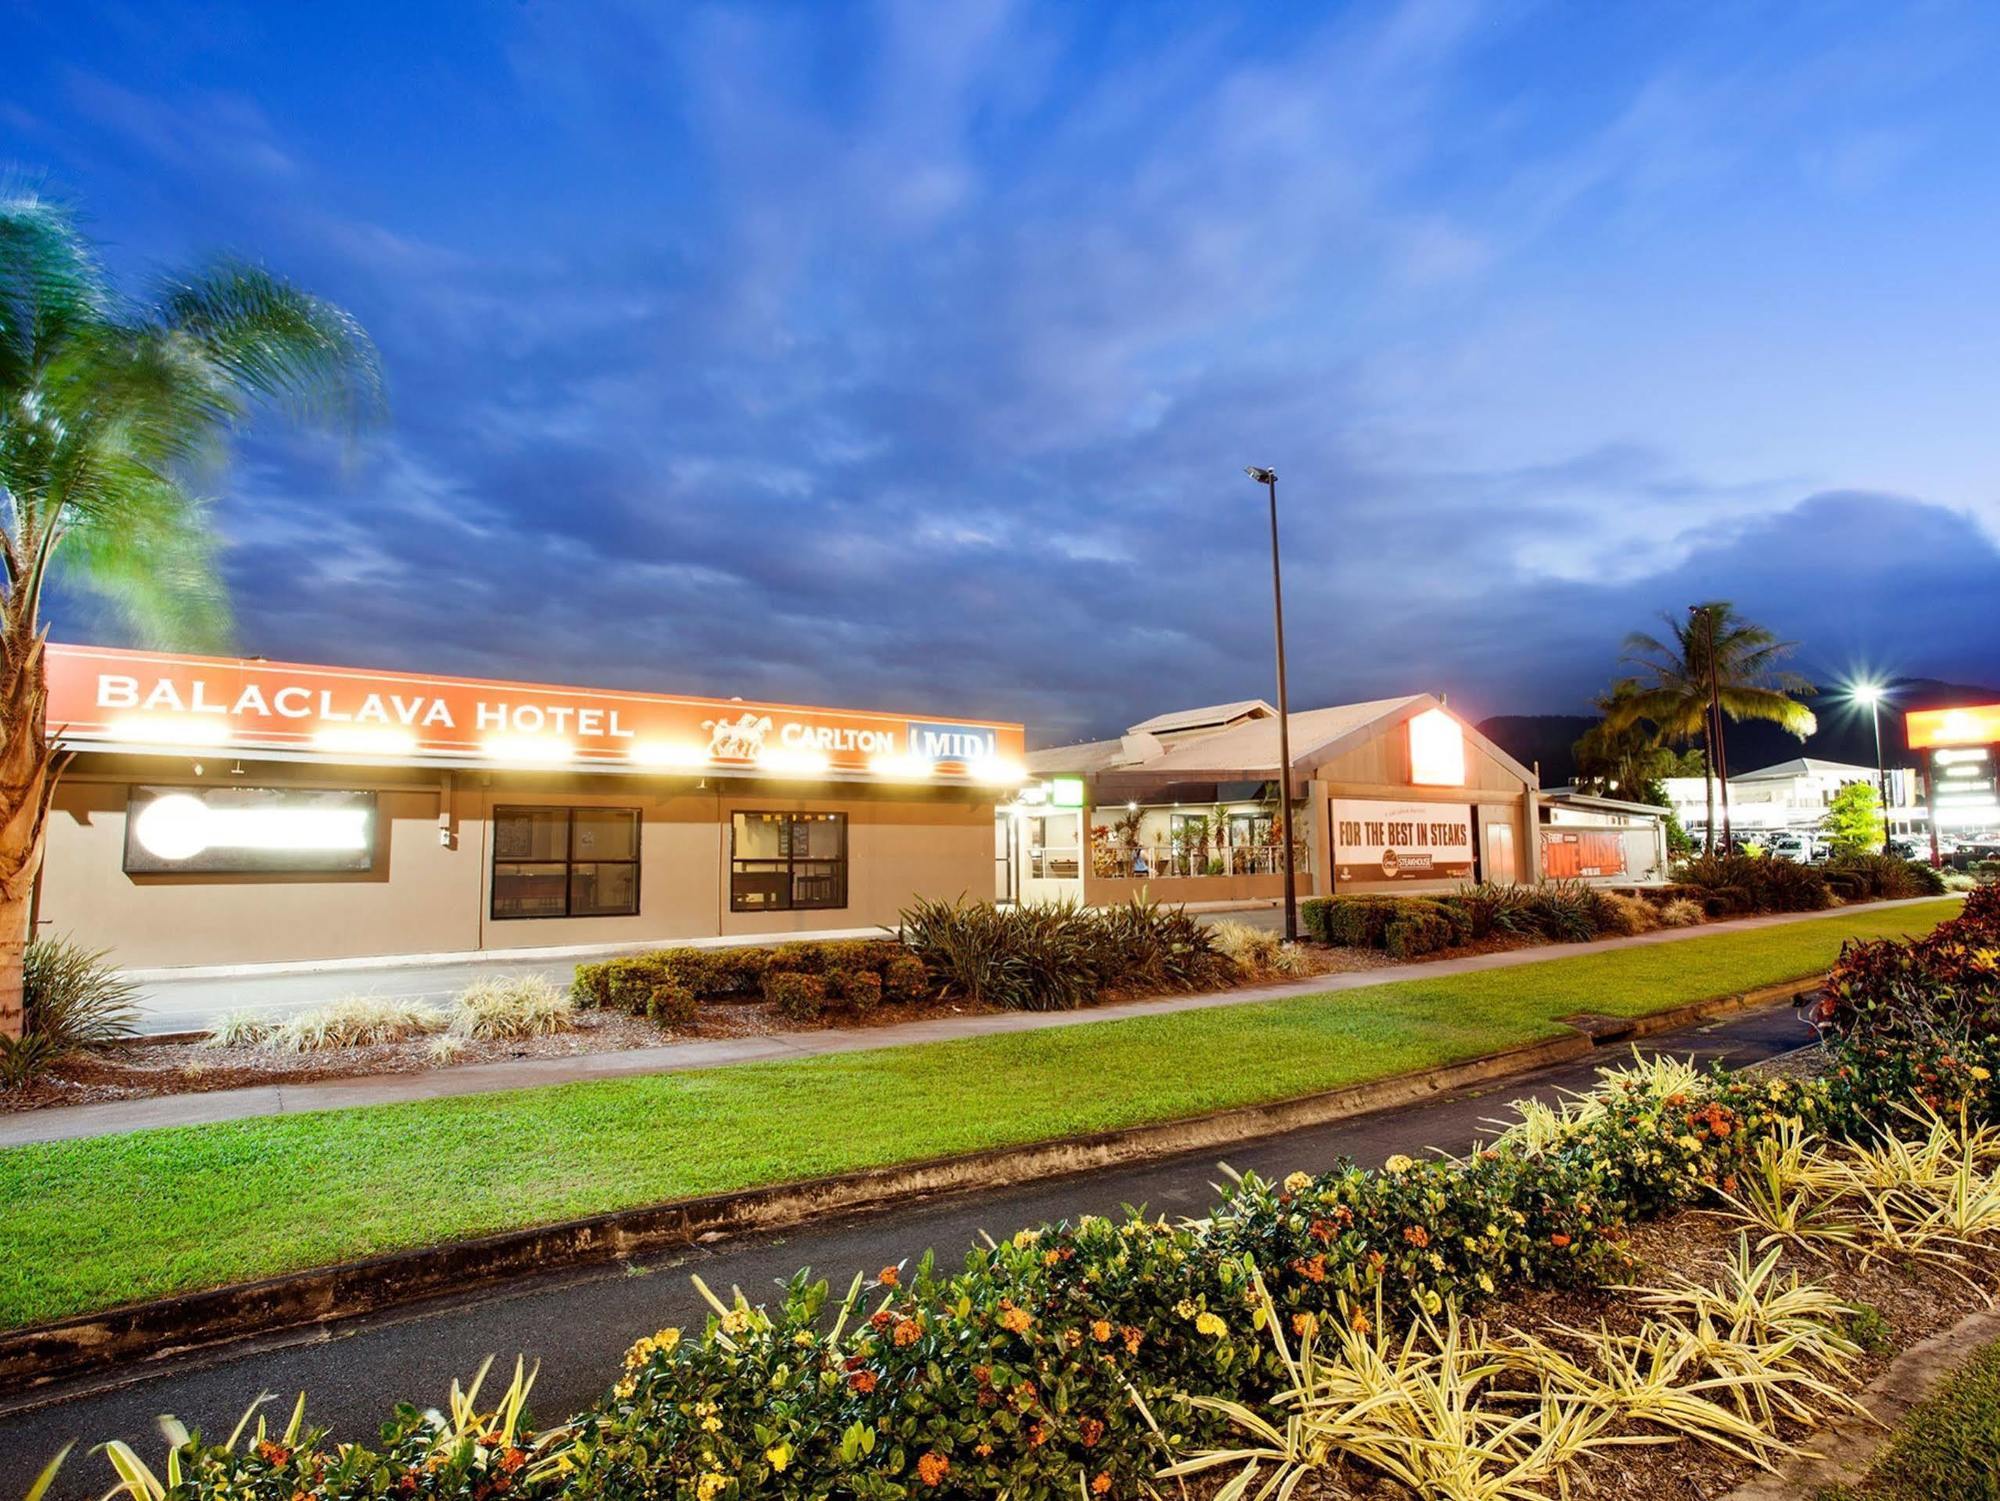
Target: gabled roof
<point>1076,760</point>
<point>1251,748</point>
<point>1803,766</point>
<point>1246,752</point>
<point>1180,720</point>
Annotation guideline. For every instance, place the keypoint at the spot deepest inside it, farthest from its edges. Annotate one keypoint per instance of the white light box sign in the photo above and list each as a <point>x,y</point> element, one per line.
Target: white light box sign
<point>247,831</point>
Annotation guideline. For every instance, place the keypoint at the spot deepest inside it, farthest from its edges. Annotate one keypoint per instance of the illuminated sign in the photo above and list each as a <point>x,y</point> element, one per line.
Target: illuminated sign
<point>158,701</point>
<point>245,830</point>
<point>1437,750</point>
<point>1964,785</point>
<point>1066,792</point>
<point>1385,841</point>
<point>1977,724</point>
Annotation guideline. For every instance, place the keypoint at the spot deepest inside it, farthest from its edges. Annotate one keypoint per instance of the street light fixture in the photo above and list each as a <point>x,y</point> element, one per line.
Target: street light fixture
<point>1872,695</point>
<point>1268,478</point>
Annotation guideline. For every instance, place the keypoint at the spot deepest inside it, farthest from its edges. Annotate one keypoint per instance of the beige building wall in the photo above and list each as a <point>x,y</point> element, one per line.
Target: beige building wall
<point>424,897</point>
<point>1380,768</point>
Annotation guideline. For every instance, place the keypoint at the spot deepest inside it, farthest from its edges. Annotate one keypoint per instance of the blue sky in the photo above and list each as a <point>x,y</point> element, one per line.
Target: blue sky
<point>909,354</point>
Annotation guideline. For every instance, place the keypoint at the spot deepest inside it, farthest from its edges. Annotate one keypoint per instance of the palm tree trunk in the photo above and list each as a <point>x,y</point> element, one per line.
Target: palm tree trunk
<point>27,781</point>
<point>1708,791</point>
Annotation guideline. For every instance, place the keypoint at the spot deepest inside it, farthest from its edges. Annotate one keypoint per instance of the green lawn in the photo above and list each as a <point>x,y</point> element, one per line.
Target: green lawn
<point>1948,1446</point>
<point>93,1223</point>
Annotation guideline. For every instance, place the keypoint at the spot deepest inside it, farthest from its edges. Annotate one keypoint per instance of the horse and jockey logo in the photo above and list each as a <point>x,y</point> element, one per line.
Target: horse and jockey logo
<point>740,739</point>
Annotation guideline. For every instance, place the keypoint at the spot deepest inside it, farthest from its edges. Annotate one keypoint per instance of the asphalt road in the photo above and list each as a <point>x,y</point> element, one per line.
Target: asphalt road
<point>578,1326</point>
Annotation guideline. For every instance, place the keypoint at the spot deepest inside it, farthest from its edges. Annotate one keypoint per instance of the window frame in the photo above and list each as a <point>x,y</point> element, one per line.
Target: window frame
<point>569,861</point>
<point>790,861</point>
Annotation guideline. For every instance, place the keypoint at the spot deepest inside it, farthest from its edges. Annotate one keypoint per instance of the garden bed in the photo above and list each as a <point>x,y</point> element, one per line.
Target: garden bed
<point>144,1068</point>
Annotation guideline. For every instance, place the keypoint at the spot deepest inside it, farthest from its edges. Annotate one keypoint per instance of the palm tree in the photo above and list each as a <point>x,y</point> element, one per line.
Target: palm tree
<point>1712,665</point>
<point>110,416</point>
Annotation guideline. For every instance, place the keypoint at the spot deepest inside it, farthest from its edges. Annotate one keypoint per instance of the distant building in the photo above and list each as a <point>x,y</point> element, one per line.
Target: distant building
<point>1396,795</point>
<point>1793,796</point>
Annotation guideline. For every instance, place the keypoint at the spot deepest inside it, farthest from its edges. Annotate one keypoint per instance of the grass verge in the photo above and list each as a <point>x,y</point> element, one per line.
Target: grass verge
<point>113,1219</point>
<point>1948,1445</point>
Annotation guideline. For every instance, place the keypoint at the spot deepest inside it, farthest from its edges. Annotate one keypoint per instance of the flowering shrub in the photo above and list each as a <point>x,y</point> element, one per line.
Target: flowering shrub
<point>1946,981</point>
<point>1017,1373</point>
<point>1918,1020</point>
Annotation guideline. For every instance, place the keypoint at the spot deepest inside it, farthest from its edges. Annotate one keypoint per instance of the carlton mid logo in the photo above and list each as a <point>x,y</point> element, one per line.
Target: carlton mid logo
<point>953,742</point>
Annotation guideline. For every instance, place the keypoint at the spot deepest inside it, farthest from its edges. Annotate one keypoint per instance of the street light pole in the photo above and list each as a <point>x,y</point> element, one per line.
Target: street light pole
<point>1268,478</point>
<point>1871,695</point>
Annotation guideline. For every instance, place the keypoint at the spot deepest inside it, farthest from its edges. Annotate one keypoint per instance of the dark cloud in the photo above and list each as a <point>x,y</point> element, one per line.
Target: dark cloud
<point>911,357</point>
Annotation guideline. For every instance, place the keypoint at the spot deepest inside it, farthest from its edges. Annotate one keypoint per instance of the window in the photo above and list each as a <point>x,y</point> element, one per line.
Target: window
<point>787,861</point>
<point>565,862</point>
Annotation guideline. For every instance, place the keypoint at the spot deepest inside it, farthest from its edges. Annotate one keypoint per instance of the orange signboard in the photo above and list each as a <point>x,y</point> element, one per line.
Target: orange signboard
<point>160,701</point>
<point>1975,724</point>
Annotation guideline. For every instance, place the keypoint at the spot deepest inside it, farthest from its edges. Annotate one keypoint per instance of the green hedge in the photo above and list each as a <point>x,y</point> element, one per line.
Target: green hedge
<point>800,979</point>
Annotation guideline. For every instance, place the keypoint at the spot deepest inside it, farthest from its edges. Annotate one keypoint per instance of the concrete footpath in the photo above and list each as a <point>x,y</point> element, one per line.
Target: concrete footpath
<point>73,1121</point>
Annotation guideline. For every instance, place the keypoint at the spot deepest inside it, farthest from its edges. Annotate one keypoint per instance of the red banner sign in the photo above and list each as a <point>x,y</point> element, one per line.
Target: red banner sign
<point>157,701</point>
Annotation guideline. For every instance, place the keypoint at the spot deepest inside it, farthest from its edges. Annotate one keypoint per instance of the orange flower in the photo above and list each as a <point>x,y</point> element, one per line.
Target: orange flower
<point>1559,1240</point>
<point>1359,1323</point>
<point>1101,1331</point>
<point>1019,1320</point>
<point>862,1381</point>
<point>1313,1270</point>
<point>1101,1482</point>
<point>1133,1338</point>
<point>982,1450</point>
<point>1090,1430</point>
<point>932,1468</point>
<point>1417,1236</point>
<point>889,1276</point>
<point>908,1331</point>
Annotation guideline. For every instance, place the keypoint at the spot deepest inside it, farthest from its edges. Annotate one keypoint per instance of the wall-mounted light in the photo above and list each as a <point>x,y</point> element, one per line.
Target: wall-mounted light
<point>668,753</point>
<point>903,765</point>
<point>792,763</point>
<point>530,750</point>
<point>1437,750</point>
<point>172,729</point>
<point>365,740</point>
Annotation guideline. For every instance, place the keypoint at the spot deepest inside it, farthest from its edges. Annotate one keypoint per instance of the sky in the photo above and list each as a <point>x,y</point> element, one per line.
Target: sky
<point>908,356</point>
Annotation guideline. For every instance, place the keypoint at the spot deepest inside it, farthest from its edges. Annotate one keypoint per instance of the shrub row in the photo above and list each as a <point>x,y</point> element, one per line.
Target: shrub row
<point>1406,926</point>
<point>1059,956</point>
<point>1016,1375</point>
<point>800,979</point>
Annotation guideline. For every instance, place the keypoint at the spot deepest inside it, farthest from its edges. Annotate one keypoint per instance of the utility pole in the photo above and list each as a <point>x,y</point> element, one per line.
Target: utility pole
<point>1268,478</point>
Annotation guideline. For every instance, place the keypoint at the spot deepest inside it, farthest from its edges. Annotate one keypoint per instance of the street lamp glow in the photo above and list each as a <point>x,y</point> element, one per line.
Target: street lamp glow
<point>1866,693</point>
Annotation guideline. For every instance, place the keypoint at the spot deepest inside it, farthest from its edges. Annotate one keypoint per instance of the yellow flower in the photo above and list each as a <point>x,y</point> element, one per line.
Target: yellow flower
<point>1981,1073</point>
<point>1210,1323</point>
<point>1185,1308</point>
<point>778,1456</point>
<point>1398,1164</point>
<point>711,1425</point>
<point>711,1485</point>
<point>1297,1183</point>
<point>736,1321</point>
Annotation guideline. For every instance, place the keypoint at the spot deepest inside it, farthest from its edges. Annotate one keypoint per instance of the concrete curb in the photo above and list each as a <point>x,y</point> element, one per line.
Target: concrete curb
<point>1842,1452</point>
<point>164,1327</point>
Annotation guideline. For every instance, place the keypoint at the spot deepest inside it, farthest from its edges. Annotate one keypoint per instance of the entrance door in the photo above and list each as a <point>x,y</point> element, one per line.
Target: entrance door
<point>1500,866</point>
